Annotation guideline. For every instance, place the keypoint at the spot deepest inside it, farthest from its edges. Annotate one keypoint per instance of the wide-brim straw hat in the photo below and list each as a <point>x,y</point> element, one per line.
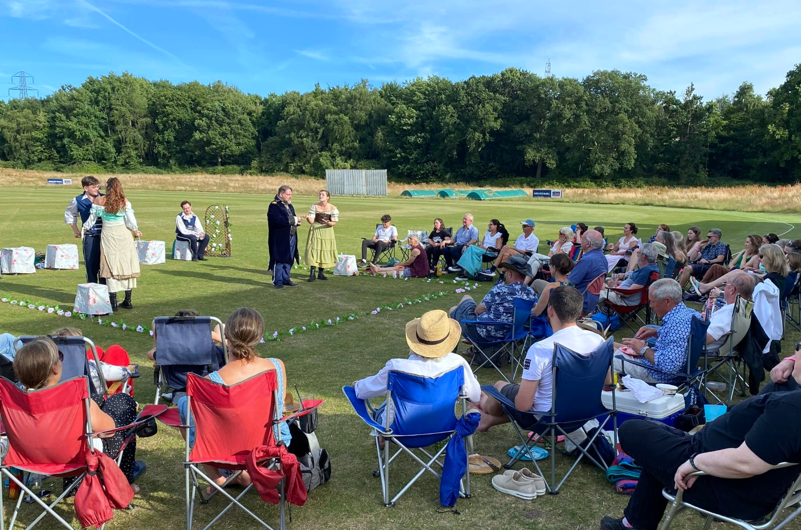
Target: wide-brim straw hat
<point>433,335</point>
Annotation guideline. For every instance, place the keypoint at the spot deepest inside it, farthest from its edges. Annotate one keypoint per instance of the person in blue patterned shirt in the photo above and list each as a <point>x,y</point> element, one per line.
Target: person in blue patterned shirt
<point>663,348</point>
<point>703,255</point>
<point>497,305</point>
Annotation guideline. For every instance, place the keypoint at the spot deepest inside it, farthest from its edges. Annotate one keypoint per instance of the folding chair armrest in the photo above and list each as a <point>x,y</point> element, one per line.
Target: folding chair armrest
<point>625,292</point>
<point>360,407</point>
<point>156,372</point>
<point>487,323</point>
<point>641,364</point>
<point>495,393</point>
<point>297,414</point>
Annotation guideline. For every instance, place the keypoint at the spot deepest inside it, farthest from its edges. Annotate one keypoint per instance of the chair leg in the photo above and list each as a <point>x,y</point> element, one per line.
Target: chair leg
<point>282,502</point>
<point>189,500</point>
<point>671,514</point>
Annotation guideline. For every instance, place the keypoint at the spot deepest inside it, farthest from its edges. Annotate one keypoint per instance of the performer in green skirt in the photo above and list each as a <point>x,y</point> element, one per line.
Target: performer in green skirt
<point>321,247</point>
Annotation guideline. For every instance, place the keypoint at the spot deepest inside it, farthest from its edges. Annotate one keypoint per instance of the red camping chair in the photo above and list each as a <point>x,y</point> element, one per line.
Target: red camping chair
<point>231,423</point>
<point>595,287</point>
<point>631,313</point>
<point>117,356</point>
<point>50,433</point>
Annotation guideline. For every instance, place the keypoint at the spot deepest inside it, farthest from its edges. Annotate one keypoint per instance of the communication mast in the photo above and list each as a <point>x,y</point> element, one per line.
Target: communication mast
<point>548,67</point>
<point>22,80</point>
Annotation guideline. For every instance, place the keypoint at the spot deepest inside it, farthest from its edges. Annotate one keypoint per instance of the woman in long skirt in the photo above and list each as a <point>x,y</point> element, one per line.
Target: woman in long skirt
<point>321,247</point>
<point>119,261</point>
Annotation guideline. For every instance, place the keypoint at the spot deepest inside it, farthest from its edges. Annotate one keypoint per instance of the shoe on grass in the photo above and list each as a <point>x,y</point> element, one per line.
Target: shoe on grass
<point>454,269</point>
<point>488,272</point>
<point>527,475</point>
<point>610,523</point>
<point>462,278</point>
<point>515,485</point>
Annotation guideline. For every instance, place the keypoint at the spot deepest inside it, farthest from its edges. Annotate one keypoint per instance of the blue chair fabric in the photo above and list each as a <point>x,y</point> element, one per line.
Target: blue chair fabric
<point>184,346</point>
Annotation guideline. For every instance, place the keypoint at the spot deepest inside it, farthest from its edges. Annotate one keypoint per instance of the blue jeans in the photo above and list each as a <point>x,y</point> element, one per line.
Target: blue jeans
<point>281,270</point>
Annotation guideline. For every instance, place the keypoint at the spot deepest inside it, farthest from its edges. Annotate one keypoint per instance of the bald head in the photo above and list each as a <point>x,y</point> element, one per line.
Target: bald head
<point>591,240</point>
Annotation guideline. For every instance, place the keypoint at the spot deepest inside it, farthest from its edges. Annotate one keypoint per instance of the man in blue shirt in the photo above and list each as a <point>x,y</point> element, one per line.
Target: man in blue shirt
<point>467,235</point>
<point>638,279</point>
<point>497,305</point>
<point>702,258</point>
<point>591,265</point>
<point>667,355</point>
<point>81,206</point>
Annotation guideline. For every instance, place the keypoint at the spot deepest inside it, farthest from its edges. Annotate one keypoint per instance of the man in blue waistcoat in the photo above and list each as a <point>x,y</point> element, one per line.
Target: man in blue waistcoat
<point>187,228</point>
<point>283,225</point>
<point>81,206</point>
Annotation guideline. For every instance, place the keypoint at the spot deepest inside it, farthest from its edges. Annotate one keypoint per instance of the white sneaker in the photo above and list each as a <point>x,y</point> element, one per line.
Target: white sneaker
<point>515,485</point>
<point>455,269</point>
<point>527,475</point>
<point>461,278</point>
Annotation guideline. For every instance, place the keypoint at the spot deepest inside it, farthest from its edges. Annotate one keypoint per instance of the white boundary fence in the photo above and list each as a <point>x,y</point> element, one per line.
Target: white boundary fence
<point>356,181</point>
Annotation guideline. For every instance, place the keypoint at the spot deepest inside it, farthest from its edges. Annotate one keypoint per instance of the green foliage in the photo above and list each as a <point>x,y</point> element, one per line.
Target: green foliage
<point>610,127</point>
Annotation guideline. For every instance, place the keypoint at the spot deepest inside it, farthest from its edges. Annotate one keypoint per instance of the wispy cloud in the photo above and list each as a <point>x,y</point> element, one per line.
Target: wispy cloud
<point>312,54</point>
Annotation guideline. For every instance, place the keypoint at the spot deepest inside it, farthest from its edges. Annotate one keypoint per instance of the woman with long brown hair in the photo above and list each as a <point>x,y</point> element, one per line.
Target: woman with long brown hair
<point>119,262</point>
<point>321,247</point>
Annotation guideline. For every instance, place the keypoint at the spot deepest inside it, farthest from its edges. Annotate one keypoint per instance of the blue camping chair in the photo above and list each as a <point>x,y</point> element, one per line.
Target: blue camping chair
<point>75,363</point>
<point>670,269</point>
<point>184,346</point>
<point>790,296</point>
<point>423,416</point>
<point>578,383</point>
<point>692,375</point>
<point>517,331</point>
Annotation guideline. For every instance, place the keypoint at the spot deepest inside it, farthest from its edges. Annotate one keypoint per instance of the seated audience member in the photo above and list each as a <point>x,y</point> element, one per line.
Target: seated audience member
<point>561,265</point>
<point>790,246</point>
<point>668,352</point>
<point>692,239</point>
<point>525,245</point>
<point>720,320</point>
<point>671,250</point>
<point>702,256</point>
<point>736,451</point>
<point>636,280</point>
<point>785,376</point>
<point>660,228</point>
<point>773,261</point>
<point>431,339</point>
<point>601,230</point>
<point>485,251</point>
<point>746,260</point>
<point>187,228</point>
<point>437,240</point>
<point>535,391</point>
<point>416,266</point>
<point>580,229</point>
<point>769,239</point>
<point>497,305</point>
<point>244,330</point>
<point>111,372</point>
<point>182,371</point>
<point>466,235</point>
<point>564,243</point>
<point>621,251</point>
<point>38,365</point>
<point>591,265</point>
<point>382,239</point>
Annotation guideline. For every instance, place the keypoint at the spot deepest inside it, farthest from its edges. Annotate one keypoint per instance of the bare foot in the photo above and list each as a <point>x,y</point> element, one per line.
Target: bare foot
<point>373,268</point>
<point>135,488</point>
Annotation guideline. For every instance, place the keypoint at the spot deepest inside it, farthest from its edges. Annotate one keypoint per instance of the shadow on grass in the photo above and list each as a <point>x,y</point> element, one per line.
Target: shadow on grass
<point>33,291</point>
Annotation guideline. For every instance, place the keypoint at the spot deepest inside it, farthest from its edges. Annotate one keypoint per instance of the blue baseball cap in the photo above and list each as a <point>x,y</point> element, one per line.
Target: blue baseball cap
<point>528,222</point>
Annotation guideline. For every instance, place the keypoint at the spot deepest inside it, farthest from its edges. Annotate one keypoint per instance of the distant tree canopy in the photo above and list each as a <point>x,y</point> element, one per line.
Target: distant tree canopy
<point>609,126</point>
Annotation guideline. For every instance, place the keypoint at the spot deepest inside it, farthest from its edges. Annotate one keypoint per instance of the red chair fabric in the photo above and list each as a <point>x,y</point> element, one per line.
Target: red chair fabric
<point>230,421</point>
<point>46,428</point>
<point>266,480</point>
<point>116,355</point>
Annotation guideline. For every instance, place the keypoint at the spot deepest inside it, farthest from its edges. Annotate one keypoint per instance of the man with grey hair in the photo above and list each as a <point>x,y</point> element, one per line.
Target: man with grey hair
<point>466,235</point>
<point>720,320</point>
<point>283,225</point>
<point>703,255</point>
<point>637,279</point>
<point>591,265</point>
<point>662,349</point>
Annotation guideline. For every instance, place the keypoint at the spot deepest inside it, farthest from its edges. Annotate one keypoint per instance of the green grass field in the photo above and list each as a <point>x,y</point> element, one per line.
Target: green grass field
<point>321,361</point>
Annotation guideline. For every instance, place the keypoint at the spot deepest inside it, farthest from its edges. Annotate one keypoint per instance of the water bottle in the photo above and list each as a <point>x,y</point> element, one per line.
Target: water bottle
<point>13,487</point>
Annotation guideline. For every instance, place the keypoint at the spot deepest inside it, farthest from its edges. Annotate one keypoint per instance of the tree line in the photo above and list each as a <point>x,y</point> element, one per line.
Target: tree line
<point>513,126</point>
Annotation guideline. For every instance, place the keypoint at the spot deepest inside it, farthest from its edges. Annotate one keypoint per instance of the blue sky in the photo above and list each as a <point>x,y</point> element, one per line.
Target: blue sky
<point>265,46</point>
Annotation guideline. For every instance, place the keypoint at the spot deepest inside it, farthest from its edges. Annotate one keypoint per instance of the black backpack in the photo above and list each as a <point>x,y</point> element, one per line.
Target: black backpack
<point>315,466</point>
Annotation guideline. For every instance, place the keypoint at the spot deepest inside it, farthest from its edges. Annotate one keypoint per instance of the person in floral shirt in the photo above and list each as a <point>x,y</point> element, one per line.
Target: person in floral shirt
<point>497,305</point>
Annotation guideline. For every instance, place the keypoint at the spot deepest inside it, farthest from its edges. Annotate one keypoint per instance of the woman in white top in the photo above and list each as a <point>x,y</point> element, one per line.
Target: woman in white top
<point>624,247</point>
<point>563,245</point>
<point>119,261</point>
<point>495,238</point>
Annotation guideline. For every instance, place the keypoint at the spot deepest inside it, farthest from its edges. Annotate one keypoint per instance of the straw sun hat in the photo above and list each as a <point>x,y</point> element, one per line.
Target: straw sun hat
<point>433,335</point>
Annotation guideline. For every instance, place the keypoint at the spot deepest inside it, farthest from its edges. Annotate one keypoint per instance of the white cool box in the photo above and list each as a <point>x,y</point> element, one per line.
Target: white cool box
<point>18,260</point>
<point>150,252</point>
<point>180,250</point>
<point>92,299</point>
<point>61,257</point>
<point>665,409</point>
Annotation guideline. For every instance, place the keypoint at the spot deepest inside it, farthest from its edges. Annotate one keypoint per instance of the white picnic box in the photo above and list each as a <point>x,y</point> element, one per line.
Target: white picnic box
<point>92,299</point>
<point>664,409</point>
<point>151,252</point>
<point>181,251</point>
<point>19,260</point>
<point>61,257</point>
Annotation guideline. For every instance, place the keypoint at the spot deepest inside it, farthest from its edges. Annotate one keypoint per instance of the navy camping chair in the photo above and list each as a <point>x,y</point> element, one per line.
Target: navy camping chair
<point>490,351</point>
<point>670,269</point>
<point>184,346</point>
<point>692,375</point>
<point>424,416</point>
<point>790,295</point>
<point>75,363</point>
<point>578,383</point>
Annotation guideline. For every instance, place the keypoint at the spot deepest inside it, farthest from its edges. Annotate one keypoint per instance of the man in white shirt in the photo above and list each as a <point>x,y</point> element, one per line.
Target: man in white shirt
<point>720,320</point>
<point>535,391</point>
<point>525,245</point>
<point>187,228</point>
<point>431,339</point>
<point>384,235</point>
